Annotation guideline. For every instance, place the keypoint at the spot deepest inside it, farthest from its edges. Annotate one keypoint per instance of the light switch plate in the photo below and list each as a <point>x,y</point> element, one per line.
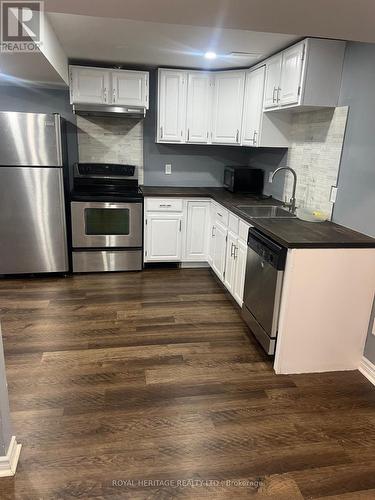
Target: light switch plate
<point>332,197</point>
<point>168,168</point>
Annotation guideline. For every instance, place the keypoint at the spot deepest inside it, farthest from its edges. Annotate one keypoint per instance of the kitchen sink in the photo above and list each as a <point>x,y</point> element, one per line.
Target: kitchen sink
<point>269,211</point>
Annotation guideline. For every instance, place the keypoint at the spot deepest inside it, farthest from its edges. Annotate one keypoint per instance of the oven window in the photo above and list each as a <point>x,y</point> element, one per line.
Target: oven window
<point>107,221</point>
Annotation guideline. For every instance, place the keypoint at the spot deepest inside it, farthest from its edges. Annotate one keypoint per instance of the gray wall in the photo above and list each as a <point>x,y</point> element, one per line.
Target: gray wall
<point>355,205</point>
<point>192,165</point>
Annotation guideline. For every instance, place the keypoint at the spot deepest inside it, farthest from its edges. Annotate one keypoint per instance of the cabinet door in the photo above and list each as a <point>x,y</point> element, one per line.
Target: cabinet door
<point>196,242</point>
<point>273,73</point>
<point>163,237</point>
<point>291,74</point>
<point>130,88</point>
<point>230,263</point>
<point>219,250</point>
<point>240,256</point>
<point>253,107</point>
<point>227,106</point>
<point>198,107</point>
<point>172,106</point>
<point>89,85</point>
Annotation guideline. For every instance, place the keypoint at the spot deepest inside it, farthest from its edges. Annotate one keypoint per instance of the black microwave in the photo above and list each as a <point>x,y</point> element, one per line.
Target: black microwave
<point>244,180</point>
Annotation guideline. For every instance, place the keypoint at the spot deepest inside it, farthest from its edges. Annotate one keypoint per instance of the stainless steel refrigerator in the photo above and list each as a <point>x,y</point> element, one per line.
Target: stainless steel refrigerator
<point>32,210</point>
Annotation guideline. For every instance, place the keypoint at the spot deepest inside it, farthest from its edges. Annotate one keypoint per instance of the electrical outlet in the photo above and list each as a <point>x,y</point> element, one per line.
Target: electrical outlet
<point>332,196</point>
<point>270,177</point>
<point>168,168</point>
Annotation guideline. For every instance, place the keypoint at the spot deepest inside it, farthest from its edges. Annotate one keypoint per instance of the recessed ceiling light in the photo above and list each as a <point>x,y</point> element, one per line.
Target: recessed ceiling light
<point>210,55</point>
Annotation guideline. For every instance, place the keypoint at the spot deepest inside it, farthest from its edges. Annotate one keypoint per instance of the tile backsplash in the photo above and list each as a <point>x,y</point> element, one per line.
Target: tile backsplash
<point>111,139</point>
<point>316,143</point>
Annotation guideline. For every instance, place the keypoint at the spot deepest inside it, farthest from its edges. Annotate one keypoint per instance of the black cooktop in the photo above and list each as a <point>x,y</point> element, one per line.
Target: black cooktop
<point>105,182</point>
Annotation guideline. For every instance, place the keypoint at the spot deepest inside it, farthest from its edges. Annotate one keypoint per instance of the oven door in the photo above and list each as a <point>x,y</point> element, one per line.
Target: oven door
<point>106,225</point>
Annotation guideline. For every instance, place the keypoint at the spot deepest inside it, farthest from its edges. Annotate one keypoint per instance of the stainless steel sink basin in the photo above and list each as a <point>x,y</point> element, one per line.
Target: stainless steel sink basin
<point>269,211</point>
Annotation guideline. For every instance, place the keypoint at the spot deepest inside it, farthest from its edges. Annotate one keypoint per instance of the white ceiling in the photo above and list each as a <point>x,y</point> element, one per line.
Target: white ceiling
<point>344,19</point>
<point>160,44</point>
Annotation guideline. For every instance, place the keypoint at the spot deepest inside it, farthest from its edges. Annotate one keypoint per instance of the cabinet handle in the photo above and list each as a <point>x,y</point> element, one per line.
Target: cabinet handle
<point>237,135</point>
<point>219,214</point>
<point>164,205</point>
<point>213,231</point>
<point>180,225</point>
<point>274,99</point>
<point>105,94</point>
<point>255,137</point>
<point>235,252</point>
<point>231,249</point>
<point>278,94</point>
<point>114,95</point>
<point>161,132</point>
<point>188,134</point>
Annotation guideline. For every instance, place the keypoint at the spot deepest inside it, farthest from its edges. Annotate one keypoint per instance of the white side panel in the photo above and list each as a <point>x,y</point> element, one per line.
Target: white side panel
<point>325,309</point>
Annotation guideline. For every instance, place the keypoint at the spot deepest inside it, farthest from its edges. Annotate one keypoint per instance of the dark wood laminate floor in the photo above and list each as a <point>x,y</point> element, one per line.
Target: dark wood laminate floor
<point>150,376</point>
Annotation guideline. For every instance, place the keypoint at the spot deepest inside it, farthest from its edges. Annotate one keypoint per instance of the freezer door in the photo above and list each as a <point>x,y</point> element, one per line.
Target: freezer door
<point>32,221</point>
<point>30,139</point>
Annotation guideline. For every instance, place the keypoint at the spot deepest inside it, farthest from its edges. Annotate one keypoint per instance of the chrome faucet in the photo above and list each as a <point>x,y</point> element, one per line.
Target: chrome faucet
<point>292,203</point>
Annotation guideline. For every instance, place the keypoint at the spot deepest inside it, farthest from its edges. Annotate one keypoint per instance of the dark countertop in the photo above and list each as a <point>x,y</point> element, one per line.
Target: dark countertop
<point>291,233</point>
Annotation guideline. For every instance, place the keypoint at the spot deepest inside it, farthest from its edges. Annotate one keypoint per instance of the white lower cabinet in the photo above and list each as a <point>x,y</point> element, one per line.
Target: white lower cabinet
<point>240,257</point>
<point>163,237</point>
<point>196,240</point>
<point>198,230</point>
<point>230,263</point>
<point>219,249</point>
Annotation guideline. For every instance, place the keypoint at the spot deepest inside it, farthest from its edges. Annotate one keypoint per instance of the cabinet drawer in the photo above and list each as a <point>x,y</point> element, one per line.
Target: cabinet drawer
<point>219,214</point>
<point>233,223</point>
<point>164,205</point>
<point>243,230</point>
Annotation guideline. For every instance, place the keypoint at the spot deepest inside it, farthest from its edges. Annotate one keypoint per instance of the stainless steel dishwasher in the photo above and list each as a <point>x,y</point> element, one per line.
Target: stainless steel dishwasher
<point>263,285</point>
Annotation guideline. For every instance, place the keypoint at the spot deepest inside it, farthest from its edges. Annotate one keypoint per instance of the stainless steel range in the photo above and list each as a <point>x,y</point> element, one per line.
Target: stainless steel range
<point>107,218</point>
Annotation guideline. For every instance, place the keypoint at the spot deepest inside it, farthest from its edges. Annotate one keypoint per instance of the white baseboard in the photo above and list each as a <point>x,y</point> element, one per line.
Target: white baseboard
<point>8,463</point>
<point>367,369</point>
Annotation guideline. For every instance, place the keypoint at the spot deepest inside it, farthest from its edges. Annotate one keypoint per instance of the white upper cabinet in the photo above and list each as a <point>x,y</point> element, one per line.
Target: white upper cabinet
<point>291,74</point>
<point>107,86</point>
<point>253,107</point>
<point>308,74</point>
<point>198,107</point>
<point>227,103</point>
<point>171,105</point>
<point>273,72</point>
<point>130,88</point>
<point>89,85</point>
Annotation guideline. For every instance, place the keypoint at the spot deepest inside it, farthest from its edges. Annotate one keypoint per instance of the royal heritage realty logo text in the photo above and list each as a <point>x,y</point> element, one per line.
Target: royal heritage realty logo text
<point>21,26</point>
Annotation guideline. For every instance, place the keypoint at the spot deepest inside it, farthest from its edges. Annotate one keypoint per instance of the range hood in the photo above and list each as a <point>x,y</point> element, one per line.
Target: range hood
<point>108,110</point>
